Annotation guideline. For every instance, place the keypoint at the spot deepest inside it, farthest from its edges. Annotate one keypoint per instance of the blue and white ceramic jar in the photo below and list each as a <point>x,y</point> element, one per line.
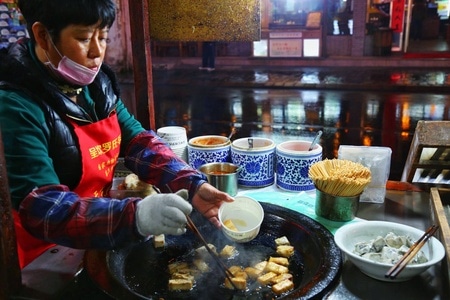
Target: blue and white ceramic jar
<point>256,157</point>
<point>293,163</point>
<point>208,149</point>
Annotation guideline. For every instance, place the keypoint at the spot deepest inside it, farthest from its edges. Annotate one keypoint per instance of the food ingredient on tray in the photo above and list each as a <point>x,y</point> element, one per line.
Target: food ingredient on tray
<point>388,249</point>
<point>133,183</point>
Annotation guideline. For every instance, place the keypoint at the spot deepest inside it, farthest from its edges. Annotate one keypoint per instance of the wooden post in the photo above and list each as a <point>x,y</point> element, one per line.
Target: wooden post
<point>10,273</point>
<point>142,62</point>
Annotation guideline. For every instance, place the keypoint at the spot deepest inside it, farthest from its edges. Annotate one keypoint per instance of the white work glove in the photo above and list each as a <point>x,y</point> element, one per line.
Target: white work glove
<point>163,214</point>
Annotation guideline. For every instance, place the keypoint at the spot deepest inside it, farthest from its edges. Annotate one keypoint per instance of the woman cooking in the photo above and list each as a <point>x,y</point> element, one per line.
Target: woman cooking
<point>64,127</point>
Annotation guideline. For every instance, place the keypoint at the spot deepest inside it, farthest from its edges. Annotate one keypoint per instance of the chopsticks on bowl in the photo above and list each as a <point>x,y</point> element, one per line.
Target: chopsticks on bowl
<point>406,258</point>
<point>219,262</point>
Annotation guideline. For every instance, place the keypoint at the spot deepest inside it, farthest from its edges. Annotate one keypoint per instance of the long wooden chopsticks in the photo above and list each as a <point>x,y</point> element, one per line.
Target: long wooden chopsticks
<point>406,258</point>
<point>219,262</point>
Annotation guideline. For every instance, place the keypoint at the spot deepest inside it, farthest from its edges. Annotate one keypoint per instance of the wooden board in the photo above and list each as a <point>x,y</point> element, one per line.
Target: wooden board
<point>428,160</point>
<point>440,202</point>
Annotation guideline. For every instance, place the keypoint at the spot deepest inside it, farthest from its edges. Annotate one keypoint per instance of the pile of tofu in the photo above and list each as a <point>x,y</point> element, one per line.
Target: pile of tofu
<point>273,272</point>
<point>182,274</point>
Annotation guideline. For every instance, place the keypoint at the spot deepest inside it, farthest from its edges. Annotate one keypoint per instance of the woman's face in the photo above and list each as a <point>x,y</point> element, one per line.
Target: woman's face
<point>83,44</point>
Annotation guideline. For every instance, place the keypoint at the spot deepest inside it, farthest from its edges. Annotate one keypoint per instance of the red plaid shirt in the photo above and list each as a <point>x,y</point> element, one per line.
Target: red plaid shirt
<point>57,215</point>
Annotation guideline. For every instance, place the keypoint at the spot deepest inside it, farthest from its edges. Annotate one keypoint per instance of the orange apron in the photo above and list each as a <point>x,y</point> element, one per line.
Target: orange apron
<point>99,147</point>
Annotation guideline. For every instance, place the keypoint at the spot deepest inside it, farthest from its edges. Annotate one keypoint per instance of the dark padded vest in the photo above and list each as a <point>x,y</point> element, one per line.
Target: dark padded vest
<point>19,71</point>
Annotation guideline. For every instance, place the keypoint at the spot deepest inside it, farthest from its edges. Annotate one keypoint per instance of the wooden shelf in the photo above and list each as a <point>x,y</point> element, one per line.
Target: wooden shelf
<point>429,154</point>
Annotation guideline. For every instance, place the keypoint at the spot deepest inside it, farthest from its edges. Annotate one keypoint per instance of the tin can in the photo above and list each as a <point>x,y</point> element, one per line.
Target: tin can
<point>336,208</point>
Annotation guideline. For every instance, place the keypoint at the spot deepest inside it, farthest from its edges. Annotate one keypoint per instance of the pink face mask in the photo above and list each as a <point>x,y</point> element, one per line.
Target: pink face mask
<point>72,72</point>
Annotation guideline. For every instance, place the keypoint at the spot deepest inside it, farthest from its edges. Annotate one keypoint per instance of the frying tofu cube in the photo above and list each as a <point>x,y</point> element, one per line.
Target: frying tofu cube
<point>282,277</point>
<point>266,278</point>
<point>239,282</point>
<point>228,251</point>
<point>285,250</point>
<point>159,241</point>
<point>241,274</point>
<point>180,285</point>
<point>275,268</point>
<point>201,265</point>
<point>282,241</point>
<point>179,267</point>
<point>203,252</point>
<point>279,260</point>
<point>282,287</point>
<point>235,269</point>
<point>186,276</point>
<point>253,272</point>
<point>230,225</point>
<point>261,265</point>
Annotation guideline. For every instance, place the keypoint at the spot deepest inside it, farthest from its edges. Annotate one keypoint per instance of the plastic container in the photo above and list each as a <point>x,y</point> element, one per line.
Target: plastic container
<point>378,160</point>
<point>246,214</point>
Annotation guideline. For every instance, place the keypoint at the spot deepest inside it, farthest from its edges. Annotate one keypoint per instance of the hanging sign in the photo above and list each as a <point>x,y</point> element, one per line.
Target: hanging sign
<point>398,13</point>
<point>205,20</point>
<point>285,47</point>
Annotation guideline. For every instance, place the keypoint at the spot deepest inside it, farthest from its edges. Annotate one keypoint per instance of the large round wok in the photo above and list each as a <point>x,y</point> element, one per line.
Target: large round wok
<point>139,271</point>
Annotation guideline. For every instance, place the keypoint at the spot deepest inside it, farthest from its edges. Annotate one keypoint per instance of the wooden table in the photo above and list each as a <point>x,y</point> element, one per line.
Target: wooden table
<point>408,207</point>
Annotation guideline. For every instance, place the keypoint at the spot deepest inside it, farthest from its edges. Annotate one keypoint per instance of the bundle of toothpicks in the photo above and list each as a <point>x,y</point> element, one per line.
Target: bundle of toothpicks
<point>340,177</point>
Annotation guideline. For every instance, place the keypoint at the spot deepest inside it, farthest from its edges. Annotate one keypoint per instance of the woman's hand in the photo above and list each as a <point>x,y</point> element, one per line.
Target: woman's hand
<point>207,201</point>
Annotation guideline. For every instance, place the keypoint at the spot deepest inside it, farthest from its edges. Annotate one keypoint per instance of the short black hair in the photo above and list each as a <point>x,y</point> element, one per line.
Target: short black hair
<point>58,14</point>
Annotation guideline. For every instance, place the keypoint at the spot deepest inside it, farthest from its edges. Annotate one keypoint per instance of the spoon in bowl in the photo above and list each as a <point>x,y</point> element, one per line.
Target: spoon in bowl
<point>316,139</point>
<point>233,131</point>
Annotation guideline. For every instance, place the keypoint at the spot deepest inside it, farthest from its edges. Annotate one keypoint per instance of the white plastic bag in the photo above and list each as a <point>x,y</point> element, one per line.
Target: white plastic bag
<point>378,160</point>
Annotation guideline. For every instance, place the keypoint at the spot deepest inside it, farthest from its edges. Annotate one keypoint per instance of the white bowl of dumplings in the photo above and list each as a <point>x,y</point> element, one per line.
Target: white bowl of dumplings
<point>375,246</point>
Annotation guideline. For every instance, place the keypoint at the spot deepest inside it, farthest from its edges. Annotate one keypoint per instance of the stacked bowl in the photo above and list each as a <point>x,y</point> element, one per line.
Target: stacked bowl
<point>176,138</point>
